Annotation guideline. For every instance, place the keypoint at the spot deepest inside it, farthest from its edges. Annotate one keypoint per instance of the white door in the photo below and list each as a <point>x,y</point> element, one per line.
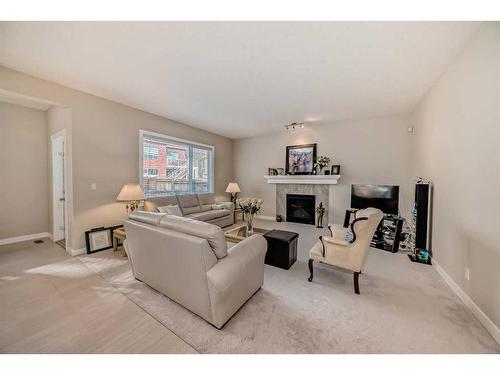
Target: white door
<point>58,196</point>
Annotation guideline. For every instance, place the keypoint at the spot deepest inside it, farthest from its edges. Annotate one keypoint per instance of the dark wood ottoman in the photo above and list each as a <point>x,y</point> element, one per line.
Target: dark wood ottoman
<point>281,248</point>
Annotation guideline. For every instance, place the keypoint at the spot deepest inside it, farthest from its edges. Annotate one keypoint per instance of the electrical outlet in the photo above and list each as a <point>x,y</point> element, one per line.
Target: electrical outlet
<point>467,273</point>
<point>93,186</point>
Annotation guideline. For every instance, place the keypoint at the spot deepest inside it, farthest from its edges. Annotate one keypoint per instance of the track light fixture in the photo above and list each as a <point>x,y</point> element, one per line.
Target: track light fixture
<point>295,125</point>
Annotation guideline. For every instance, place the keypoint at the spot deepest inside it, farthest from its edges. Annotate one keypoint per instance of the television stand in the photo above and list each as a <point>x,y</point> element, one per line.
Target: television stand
<point>388,234</point>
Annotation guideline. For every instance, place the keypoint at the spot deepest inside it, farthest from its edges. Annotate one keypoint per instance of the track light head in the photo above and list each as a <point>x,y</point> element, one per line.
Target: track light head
<point>294,125</point>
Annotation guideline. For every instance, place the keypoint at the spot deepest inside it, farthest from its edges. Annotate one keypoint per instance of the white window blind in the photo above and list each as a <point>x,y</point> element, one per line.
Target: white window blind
<point>174,166</point>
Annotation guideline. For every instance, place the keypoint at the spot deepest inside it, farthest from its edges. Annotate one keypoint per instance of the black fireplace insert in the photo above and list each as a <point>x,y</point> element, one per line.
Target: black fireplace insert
<point>300,208</point>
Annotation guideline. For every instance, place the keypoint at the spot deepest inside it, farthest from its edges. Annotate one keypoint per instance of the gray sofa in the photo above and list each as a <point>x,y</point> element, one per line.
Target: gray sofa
<point>189,262</point>
<point>202,207</point>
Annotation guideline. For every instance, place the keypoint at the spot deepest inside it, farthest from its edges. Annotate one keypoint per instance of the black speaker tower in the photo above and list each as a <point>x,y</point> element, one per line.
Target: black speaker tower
<point>422,195</point>
<point>422,223</point>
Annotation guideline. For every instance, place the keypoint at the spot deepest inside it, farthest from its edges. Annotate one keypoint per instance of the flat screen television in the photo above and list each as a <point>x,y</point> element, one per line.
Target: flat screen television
<point>383,197</point>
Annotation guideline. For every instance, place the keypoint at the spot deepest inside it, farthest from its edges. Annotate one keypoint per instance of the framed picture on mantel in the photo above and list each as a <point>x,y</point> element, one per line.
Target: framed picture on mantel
<point>300,159</point>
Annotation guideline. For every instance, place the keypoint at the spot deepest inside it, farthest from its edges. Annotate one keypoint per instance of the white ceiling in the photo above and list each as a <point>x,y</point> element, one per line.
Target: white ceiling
<point>241,79</point>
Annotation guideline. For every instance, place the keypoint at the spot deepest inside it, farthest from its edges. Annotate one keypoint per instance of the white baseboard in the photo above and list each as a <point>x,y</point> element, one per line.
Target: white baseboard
<point>464,297</point>
<point>28,237</point>
<point>76,252</point>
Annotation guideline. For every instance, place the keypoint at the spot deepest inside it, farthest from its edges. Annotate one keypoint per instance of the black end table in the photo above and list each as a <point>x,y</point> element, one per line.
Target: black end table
<point>281,248</point>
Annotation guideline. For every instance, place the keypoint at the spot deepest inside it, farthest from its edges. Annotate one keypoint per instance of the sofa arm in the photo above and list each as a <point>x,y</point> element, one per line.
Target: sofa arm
<point>246,258</point>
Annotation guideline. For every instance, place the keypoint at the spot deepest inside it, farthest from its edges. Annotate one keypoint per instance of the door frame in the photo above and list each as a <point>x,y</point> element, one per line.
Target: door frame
<point>61,133</point>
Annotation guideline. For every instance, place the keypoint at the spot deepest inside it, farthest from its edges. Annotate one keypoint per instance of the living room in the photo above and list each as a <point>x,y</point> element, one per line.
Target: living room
<point>249,187</point>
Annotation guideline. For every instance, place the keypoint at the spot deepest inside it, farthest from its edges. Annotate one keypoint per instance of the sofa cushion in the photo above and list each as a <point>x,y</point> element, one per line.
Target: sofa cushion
<point>209,215</point>
<point>171,209</point>
<point>152,218</point>
<point>207,198</point>
<point>212,233</point>
<point>206,207</point>
<point>188,203</point>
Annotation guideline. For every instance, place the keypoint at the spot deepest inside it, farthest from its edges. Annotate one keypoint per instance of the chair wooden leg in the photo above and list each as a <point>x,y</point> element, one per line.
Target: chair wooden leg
<point>356,282</point>
<point>310,270</point>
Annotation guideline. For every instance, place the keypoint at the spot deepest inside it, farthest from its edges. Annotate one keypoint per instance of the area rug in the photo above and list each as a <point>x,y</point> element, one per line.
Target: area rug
<point>403,308</point>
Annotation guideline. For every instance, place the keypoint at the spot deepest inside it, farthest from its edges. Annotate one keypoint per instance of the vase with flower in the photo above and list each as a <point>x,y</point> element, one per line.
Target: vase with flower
<point>250,206</point>
<point>321,162</point>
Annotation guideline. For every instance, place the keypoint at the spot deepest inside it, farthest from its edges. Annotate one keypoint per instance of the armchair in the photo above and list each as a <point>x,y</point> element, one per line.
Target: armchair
<point>349,254</point>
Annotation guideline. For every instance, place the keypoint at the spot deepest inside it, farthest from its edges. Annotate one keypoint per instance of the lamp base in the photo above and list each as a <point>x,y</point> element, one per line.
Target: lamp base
<point>132,205</point>
<point>234,197</point>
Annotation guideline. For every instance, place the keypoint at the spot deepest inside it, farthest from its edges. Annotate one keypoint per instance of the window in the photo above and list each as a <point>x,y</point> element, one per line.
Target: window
<point>151,153</point>
<point>174,166</point>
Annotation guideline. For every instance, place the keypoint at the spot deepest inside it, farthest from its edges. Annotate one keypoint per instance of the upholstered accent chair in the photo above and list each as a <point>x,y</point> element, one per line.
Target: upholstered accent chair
<point>346,249</point>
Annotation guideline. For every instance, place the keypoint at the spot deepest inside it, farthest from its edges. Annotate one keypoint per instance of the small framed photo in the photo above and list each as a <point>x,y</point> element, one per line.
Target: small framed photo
<point>336,169</point>
<point>98,239</point>
<point>272,172</point>
<point>281,171</point>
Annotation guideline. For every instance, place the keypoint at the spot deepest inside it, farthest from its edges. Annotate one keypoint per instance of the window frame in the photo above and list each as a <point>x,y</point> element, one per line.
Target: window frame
<point>143,133</point>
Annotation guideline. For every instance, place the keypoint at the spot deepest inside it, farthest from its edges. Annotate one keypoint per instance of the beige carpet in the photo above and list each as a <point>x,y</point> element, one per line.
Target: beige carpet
<point>403,308</point>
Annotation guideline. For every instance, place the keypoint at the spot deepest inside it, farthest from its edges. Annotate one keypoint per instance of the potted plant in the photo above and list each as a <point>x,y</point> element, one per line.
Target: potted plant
<point>250,206</point>
<point>321,162</point>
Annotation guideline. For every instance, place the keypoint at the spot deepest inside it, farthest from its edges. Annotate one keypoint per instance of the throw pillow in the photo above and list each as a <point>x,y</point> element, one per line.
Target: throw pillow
<point>349,236</point>
<point>216,206</point>
<point>171,209</point>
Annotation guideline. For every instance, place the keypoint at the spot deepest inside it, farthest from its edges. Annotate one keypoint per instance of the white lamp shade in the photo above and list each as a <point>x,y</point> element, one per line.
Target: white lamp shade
<point>233,188</point>
<point>130,192</point>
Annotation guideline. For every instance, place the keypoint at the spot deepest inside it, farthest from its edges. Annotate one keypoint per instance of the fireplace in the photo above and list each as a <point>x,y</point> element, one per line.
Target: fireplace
<point>300,208</point>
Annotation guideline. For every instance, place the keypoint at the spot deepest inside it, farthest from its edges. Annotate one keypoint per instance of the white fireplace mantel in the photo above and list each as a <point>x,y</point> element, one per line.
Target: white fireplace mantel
<point>319,179</point>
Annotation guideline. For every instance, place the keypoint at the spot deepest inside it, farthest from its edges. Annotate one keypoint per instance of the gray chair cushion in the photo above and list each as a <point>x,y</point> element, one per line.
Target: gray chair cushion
<point>212,233</point>
<point>152,218</point>
<point>188,203</point>
<point>209,215</point>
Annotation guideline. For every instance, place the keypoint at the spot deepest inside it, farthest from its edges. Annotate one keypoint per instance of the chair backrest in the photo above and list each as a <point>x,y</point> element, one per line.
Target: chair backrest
<point>364,227</point>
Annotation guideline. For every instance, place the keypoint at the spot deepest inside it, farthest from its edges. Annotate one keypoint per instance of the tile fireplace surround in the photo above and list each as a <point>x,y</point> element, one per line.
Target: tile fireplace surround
<point>321,192</point>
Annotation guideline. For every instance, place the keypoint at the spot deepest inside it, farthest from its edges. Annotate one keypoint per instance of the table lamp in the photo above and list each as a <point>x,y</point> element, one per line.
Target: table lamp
<point>234,189</point>
<point>132,194</point>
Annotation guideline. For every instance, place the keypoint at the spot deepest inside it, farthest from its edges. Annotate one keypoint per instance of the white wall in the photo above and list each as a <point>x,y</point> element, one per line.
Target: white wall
<point>106,148</point>
<point>374,151</point>
<point>458,148</point>
<point>23,171</point>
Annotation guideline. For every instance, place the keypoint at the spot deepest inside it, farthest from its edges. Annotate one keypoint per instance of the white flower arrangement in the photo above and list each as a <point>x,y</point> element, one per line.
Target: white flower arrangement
<point>322,162</point>
<point>250,205</point>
